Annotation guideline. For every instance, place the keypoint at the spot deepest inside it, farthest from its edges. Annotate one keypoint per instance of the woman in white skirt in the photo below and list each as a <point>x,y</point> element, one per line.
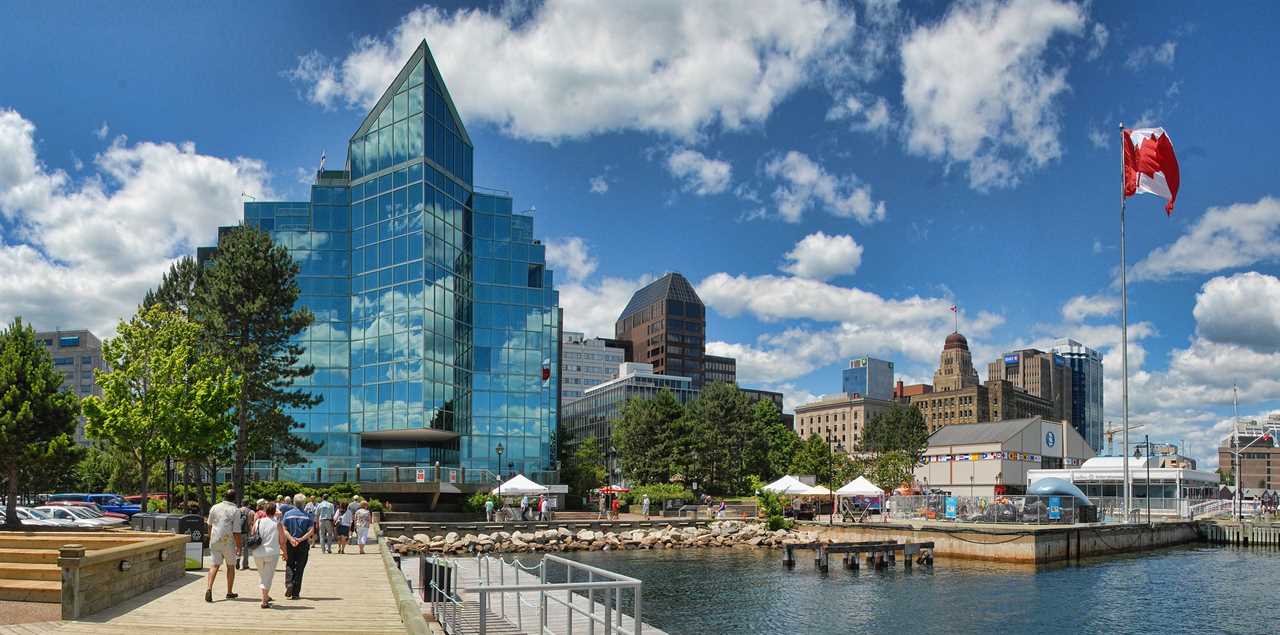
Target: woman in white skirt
<point>362,520</point>
<point>268,553</point>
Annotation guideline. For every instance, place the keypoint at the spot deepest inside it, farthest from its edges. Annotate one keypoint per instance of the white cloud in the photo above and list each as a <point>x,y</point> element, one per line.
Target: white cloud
<point>1243,309</point>
<point>102,131</point>
<point>1144,56</point>
<point>1098,42</point>
<point>1082,307</point>
<point>819,256</point>
<point>804,184</point>
<point>868,117</point>
<point>83,252</point>
<point>572,257</point>
<point>1238,235</point>
<point>1099,138</point>
<point>599,184</point>
<point>698,173</point>
<point>583,67</point>
<point>979,90</point>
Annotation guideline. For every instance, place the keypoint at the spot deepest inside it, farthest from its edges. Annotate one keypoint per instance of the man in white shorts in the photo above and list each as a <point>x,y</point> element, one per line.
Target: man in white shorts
<point>224,542</point>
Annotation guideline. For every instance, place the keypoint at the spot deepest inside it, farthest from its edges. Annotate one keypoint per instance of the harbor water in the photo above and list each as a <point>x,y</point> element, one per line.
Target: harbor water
<point>1195,589</point>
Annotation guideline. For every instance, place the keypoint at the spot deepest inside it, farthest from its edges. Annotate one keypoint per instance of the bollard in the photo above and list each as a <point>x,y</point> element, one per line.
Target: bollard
<point>788,556</point>
<point>823,561</point>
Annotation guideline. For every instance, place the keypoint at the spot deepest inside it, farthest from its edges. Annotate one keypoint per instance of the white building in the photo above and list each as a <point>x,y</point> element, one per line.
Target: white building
<point>586,362</point>
<point>986,459</point>
<point>1102,480</point>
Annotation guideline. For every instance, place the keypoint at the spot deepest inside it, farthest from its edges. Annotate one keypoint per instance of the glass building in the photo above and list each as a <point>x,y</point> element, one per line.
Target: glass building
<point>869,377</point>
<point>1086,389</point>
<point>436,333</point>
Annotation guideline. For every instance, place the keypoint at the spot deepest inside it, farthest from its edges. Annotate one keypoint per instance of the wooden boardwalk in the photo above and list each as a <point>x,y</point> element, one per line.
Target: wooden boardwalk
<point>521,608</point>
<point>340,594</point>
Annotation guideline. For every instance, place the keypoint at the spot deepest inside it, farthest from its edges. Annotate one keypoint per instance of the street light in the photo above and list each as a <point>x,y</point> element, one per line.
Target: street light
<point>831,468</point>
<point>499,450</point>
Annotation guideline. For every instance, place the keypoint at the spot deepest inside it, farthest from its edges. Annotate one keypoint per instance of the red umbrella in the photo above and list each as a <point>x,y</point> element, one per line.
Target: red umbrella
<point>614,489</point>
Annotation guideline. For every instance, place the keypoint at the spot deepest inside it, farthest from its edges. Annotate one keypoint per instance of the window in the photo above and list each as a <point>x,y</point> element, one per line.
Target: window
<point>86,360</point>
<point>68,341</point>
<point>63,361</point>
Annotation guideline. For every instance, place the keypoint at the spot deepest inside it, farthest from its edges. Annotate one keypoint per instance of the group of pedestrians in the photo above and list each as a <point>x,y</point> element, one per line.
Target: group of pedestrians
<point>288,527</point>
<point>539,510</point>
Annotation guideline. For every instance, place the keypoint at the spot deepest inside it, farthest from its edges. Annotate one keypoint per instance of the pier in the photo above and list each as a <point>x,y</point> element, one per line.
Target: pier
<point>879,554</point>
<point>1225,533</point>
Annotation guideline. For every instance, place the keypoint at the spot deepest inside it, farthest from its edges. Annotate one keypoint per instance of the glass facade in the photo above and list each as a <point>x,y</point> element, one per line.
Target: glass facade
<point>869,377</point>
<point>1086,390</point>
<point>437,323</point>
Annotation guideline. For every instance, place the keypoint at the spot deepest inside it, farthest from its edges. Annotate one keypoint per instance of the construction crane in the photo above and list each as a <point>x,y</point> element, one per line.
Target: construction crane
<point>1111,433</point>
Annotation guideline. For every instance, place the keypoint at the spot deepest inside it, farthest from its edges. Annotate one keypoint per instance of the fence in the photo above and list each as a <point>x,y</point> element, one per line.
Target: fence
<point>1027,510</point>
<point>402,474</point>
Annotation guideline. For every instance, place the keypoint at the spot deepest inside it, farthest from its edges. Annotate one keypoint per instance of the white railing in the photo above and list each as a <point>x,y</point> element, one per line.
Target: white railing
<point>607,614</point>
<point>441,592</point>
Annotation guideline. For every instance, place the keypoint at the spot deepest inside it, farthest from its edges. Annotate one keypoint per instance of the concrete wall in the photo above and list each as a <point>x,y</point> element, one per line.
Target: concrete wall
<point>1021,544</point>
<point>93,580</point>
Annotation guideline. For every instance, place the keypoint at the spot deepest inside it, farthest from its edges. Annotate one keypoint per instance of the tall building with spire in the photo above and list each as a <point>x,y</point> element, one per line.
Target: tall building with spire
<point>437,327</point>
<point>955,368</point>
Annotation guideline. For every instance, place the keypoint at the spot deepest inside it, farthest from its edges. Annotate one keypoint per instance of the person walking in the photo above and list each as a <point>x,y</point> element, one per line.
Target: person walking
<point>310,509</point>
<point>267,554</point>
<point>344,526</point>
<point>299,529</point>
<point>615,506</point>
<point>543,510</point>
<point>224,542</point>
<point>644,507</point>
<point>488,510</point>
<point>362,521</point>
<point>524,507</point>
<point>247,516</point>
<point>602,504</point>
<point>324,513</point>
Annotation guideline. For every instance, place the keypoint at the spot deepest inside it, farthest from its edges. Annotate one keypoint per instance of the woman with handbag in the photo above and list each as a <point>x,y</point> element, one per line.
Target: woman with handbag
<point>267,542</point>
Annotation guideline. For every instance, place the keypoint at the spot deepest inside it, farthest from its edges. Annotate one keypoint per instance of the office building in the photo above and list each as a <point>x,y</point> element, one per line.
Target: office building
<point>957,397</point>
<point>586,362</point>
<point>1259,455</point>
<point>903,394</point>
<point>76,354</point>
<point>1042,374</point>
<point>755,394</point>
<point>1086,389</point>
<point>720,369</point>
<point>592,416</point>
<point>869,377</point>
<point>437,327</point>
<point>989,459</point>
<point>665,324</point>
<point>839,418</point>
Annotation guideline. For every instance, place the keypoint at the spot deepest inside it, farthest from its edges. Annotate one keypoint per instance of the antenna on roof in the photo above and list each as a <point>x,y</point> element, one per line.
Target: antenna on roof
<point>322,157</point>
<point>248,196</point>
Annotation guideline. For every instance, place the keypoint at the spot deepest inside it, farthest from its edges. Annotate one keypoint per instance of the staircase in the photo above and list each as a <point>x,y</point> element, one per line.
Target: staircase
<point>29,575</point>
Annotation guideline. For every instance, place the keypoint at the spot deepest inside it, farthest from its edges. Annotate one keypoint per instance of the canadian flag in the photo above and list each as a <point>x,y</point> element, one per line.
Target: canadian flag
<point>1150,165</point>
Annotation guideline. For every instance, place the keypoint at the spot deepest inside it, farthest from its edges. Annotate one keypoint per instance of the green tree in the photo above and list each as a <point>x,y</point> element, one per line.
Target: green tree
<point>779,442</point>
<point>587,466</point>
<point>813,456</point>
<point>178,287</point>
<point>644,438</point>
<point>891,469</point>
<point>897,429</point>
<point>246,299</point>
<point>722,436</point>
<point>36,418</point>
<point>161,396</point>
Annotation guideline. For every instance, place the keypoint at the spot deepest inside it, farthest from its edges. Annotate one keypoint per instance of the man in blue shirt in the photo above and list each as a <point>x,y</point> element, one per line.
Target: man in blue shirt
<point>299,528</point>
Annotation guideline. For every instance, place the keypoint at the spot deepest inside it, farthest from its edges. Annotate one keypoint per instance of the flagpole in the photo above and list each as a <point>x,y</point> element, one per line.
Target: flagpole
<point>1124,336</point>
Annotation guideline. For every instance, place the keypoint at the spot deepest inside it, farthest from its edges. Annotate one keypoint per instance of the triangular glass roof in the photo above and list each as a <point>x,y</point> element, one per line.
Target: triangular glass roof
<point>419,64</point>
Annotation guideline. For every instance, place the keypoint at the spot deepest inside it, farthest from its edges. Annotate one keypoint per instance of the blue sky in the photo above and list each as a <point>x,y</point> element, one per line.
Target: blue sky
<point>832,176</point>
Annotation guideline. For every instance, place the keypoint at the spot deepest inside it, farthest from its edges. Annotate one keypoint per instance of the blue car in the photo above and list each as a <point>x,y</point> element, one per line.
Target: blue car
<point>108,502</point>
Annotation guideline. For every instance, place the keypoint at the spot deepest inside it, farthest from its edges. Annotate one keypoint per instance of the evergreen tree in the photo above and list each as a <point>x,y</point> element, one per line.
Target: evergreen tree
<point>723,417</point>
<point>587,466</point>
<point>773,442</point>
<point>36,418</point>
<point>177,290</point>
<point>246,299</point>
<point>644,437</point>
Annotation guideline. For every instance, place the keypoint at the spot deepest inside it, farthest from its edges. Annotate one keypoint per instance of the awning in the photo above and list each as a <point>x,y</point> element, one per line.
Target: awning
<point>520,486</point>
<point>860,487</point>
<point>787,486</point>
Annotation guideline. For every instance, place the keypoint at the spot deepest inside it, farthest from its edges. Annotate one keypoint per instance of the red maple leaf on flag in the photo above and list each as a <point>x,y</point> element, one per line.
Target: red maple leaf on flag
<point>1150,165</point>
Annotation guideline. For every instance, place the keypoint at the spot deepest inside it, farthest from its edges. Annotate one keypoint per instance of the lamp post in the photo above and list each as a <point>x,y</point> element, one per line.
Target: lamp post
<point>831,468</point>
<point>499,450</point>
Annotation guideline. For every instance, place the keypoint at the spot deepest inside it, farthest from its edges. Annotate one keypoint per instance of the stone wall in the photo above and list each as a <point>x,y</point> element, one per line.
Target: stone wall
<point>93,580</point>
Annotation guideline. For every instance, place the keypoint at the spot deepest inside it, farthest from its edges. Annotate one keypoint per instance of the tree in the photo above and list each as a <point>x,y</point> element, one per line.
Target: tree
<point>246,300</point>
<point>722,434</point>
<point>587,466</point>
<point>644,438</point>
<point>178,287</point>
<point>778,441</point>
<point>898,429</point>
<point>891,469</point>
<point>813,456</point>
<point>161,396</point>
<point>36,418</point>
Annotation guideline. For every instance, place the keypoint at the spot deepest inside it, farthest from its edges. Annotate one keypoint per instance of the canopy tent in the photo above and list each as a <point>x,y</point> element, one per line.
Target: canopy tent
<point>520,486</point>
<point>860,487</point>
<point>816,490</point>
<point>787,486</point>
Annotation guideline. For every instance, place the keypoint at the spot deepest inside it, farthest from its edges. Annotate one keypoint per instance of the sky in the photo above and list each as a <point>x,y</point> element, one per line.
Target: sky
<point>832,176</point>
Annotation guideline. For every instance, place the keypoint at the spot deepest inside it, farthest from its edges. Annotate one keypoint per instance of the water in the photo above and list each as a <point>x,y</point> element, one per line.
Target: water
<point>1199,589</point>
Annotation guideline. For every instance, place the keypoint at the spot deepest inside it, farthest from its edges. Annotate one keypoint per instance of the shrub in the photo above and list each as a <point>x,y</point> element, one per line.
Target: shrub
<point>769,504</point>
<point>376,505</point>
<point>476,502</point>
<point>154,505</point>
<point>778,522</point>
<point>658,494</point>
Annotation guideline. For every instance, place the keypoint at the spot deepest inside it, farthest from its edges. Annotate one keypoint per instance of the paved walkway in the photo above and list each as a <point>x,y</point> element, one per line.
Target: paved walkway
<point>340,594</point>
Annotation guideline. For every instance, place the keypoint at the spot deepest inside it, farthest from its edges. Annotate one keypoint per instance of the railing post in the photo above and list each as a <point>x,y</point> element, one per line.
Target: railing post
<point>636,609</point>
<point>437,471</point>
<point>397,469</point>
<point>357,473</point>
<point>483,610</point>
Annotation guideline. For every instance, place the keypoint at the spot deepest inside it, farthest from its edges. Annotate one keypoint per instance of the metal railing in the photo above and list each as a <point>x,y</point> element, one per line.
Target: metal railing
<point>606,614</point>
<point>442,593</point>
<point>1027,510</point>
<point>402,474</point>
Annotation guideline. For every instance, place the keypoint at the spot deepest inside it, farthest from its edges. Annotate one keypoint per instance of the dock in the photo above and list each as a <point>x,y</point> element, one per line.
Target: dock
<point>880,554</point>
<point>513,597</point>
<point>1230,533</point>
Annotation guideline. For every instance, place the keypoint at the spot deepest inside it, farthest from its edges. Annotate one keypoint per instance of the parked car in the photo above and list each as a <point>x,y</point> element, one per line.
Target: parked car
<point>93,516</point>
<point>86,505</point>
<point>29,519</point>
<point>108,502</point>
<point>40,515</point>
<point>63,512</point>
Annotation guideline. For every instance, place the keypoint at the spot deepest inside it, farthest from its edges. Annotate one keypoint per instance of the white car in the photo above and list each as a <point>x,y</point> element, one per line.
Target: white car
<point>64,514</point>
<point>92,517</point>
<point>28,519</point>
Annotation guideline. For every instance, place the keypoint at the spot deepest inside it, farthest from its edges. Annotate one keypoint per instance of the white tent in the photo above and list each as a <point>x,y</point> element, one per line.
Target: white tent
<point>787,486</point>
<point>520,486</point>
<point>860,487</point>
<point>816,490</point>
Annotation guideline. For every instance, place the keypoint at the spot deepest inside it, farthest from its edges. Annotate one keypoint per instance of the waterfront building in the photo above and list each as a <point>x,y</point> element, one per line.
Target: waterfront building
<point>665,325</point>
<point>586,362</point>
<point>1086,389</point>
<point>437,327</point>
<point>592,416</point>
<point>1173,487</point>
<point>986,459</point>
<point>76,354</point>
<point>1259,455</point>
<point>957,397</point>
<point>869,377</point>
<point>1038,373</point>
<point>720,369</point>
<point>841,418</point>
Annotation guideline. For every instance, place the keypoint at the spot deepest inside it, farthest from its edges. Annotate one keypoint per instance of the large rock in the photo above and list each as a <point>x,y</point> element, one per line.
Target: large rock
<point>417,537</point>
<point>586,535</point>
<point>451,536</point>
